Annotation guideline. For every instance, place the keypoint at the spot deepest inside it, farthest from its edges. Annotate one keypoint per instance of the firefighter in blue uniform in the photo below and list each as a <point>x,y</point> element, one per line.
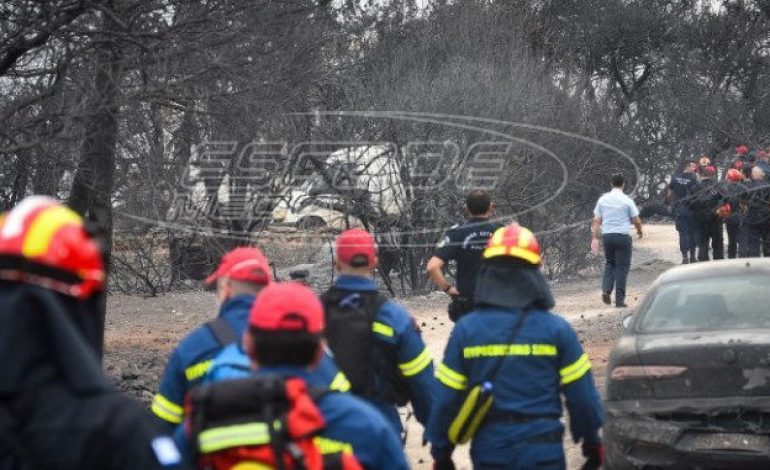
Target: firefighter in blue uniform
<point>514,353</point>
<point>393,329</point>
<point>284,337</point>
<point>240,276</point>
<point>680,192</point>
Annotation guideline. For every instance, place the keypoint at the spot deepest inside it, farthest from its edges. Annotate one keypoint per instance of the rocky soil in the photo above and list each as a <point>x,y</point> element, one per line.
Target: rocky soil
<point>142,331</point>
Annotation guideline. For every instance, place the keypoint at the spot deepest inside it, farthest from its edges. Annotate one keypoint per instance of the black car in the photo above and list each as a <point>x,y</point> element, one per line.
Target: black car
<point>688,383</point>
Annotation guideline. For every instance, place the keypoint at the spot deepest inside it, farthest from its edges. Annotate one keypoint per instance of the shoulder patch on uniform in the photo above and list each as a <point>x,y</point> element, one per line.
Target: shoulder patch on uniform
<point>443,242</point>
<point>166,451</point>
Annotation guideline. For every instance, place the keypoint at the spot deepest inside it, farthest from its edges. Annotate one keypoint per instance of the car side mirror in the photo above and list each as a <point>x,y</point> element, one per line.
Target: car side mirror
<point>627,320</point>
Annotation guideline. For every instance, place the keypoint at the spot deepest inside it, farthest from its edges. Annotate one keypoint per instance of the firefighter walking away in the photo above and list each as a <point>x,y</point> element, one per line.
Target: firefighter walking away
<point>57,409</point>
<point>507,365</point>
<point>281,416</point>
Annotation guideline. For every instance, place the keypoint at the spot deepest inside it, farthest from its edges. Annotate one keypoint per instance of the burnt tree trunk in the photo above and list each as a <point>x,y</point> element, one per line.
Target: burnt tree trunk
<point>92,187</point>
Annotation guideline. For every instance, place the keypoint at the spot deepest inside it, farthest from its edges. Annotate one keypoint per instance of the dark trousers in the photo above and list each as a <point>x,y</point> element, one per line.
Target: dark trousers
<point>757,238</point>
<point>709,230</point>
<point>685,225</point>
<point>765,239</point>
<point>733,238</point>
<point>617,253</point>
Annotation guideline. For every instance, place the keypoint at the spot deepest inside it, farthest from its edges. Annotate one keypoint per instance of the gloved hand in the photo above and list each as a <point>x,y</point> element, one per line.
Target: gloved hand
<point>444,464</point>
<point>594,454</point>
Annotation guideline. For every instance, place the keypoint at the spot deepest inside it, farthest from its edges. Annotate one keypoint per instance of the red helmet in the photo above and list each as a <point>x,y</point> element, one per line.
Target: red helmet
<point>44,242</point>
<point>734,174</point>
<point>514,241</point>
<point>709,170</point>
<point>742,150</point>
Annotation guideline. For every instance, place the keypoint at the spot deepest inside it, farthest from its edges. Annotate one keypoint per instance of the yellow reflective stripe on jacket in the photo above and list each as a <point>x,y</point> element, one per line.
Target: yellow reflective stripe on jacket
<point>416,365</point>
<point>167,410</point>
<point>330,446</point>
<point>575,370</point>
<point>382,329</point>
<point>198,370</point>
<point>340,383</point>
<point>236,435</point>
<point>497,350</point>
<point>451,378</point>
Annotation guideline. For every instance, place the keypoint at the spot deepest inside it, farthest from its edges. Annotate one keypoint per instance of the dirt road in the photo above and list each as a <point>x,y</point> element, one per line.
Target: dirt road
<point>140,332</point>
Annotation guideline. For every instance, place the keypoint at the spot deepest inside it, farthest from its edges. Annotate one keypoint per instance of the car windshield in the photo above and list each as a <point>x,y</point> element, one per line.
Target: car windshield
<point>733,302</point>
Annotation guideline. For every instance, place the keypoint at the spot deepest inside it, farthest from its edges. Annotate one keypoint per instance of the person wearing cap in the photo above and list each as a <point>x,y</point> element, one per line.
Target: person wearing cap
<point>756,220</point>
<point>733,192</point>
<point>285,337</point>
<point>680,191</point>
<point>57,409</point>
<point>397,342</point>
<point>705,201</point>
<point>241,274</point>
<point>463,243</point>
<point>526,358</point>
<point>613,215</point>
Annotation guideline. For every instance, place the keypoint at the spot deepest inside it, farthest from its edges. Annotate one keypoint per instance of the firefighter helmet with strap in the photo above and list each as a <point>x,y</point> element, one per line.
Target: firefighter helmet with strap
<point>44,242</point>
<point>514,241</point>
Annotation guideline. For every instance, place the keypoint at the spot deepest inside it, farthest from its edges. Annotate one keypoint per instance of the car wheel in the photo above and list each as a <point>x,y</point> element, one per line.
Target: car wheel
<point>310,222</point>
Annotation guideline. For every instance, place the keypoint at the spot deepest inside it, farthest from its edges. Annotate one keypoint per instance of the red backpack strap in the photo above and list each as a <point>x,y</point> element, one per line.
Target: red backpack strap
<point>304,419</point>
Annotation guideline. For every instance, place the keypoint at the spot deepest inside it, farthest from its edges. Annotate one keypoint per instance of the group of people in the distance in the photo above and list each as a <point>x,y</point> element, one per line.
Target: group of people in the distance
<point>284,378</point>
<point>706,203</point>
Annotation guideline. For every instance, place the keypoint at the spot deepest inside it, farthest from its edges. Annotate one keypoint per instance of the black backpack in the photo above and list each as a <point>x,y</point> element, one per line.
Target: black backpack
<point>370,364</point>
<point>704,200</point>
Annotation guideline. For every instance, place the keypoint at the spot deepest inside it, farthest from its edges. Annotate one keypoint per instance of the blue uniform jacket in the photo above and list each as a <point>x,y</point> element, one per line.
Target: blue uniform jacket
<point>544,361</point>
<point>192,358</point>
<point>395,326</point>
<point>233,363</point>
<point>350,423</point>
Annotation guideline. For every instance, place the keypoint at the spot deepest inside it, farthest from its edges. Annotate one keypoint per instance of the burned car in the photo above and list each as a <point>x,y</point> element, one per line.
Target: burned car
<point>688,383</point>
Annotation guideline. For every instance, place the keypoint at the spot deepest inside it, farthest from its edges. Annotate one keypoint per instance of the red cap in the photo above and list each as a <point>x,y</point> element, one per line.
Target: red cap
<point>738,164</point>
<point>287,306</point>
<point>353,243</point>
<point>243,264</point>
<point>709,170</point>
<point>734,175</point>
<point>742,150</point>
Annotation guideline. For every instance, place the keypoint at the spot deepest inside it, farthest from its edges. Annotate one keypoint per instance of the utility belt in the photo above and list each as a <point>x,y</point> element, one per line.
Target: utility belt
<point>477,412</point>
<point>511,417</point>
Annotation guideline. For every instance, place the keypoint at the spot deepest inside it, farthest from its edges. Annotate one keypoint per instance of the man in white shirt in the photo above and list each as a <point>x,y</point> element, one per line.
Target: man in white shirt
<point>613,216</point>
